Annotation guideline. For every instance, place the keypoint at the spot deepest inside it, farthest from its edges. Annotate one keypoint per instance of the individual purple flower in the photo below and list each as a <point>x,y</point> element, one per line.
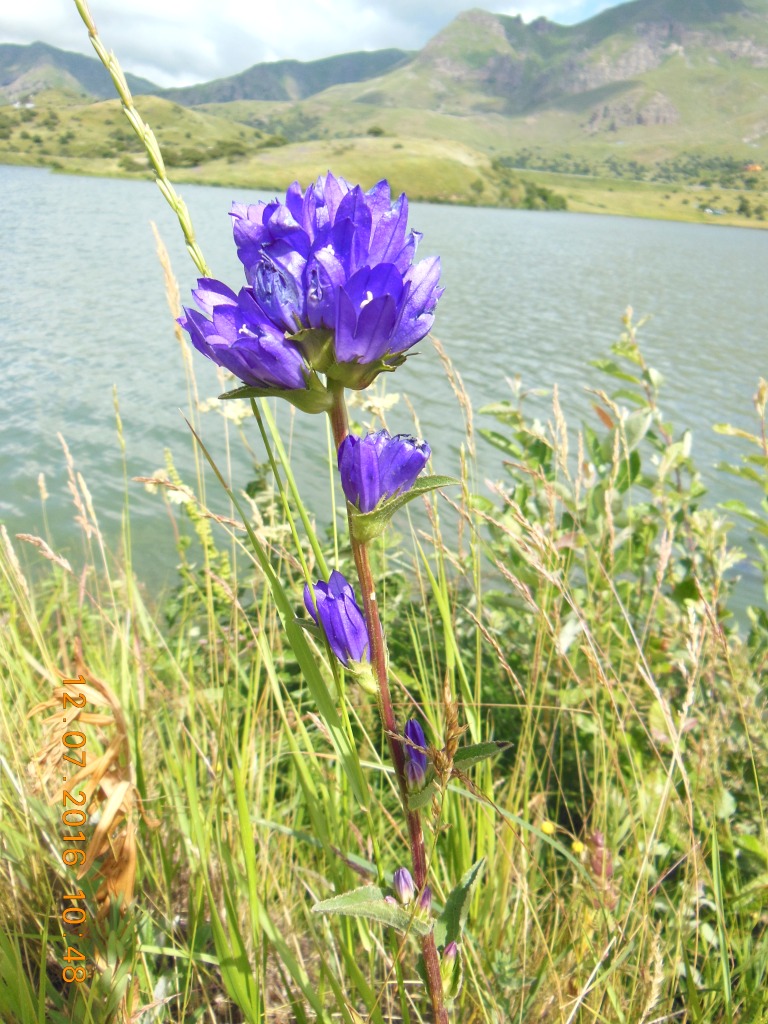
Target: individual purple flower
<point>402,883</point>
<point>340,617</point>
<point>379,466</point>
<point>382,313</point>
<point>415,760</point>
<point>236,334</point>
<point>340,259</point>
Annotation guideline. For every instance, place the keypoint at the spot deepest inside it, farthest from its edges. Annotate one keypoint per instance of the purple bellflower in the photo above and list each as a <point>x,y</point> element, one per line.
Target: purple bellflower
<point>378,466</point>
<point>339,615</point>
<point>338,259</point>
<point>415,760</point>
<point>237,334</point>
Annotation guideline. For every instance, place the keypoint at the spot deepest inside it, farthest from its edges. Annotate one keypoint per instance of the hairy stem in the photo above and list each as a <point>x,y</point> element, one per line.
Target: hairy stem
<point>378,657</point>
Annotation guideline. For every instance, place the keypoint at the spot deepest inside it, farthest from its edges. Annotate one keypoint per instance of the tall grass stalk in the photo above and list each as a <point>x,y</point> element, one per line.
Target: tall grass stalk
<point>614,852</point>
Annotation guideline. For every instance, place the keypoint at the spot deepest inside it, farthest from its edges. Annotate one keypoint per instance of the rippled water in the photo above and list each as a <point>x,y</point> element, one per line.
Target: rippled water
<point>529,294</point>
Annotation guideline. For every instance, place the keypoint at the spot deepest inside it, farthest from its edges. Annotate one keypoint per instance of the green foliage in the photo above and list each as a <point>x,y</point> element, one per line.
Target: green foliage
<point>587,624</point>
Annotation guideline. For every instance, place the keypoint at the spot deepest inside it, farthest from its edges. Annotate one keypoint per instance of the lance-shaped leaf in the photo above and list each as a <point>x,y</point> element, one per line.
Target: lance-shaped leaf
<point>369,902</point>
<point>476,752</point>
<point>449,925</point>
<point>367,525</point>
<point>314,398</point>
<point>423,797</point>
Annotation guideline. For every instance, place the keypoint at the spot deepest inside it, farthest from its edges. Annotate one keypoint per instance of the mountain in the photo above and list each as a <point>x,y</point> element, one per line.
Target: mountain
<point>28,70</point>
<point>483,62</point>
<point>650,91</point>
<point>290,79</point>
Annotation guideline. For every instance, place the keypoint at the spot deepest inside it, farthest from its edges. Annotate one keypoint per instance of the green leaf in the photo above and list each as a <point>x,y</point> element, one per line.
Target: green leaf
<point>752,845</point>
<point>636,426</point>
<point>367,525</point>
<point>369,902</point>
<point>314,398</point>
<point>629,471</point>
<point>424,796</point>
<point>653,377</point>
<point>614,370</point>
<point>504,444</point>
<point>449,925</point>
<point>476,752</point>
<point>729,431</point>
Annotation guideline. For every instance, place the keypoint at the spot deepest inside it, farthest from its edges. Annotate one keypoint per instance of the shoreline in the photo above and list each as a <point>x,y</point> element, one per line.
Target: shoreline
<point>584,194</point>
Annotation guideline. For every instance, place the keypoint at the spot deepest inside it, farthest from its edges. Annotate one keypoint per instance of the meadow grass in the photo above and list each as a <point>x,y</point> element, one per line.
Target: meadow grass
<point>611,857</point>
<point>581,616</point>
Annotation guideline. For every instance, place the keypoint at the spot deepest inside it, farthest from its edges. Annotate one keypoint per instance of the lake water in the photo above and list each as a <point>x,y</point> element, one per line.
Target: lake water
<point>529,294</point>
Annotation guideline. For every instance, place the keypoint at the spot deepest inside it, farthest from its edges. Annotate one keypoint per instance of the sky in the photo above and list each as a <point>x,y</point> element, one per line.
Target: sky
<point>179,42</point>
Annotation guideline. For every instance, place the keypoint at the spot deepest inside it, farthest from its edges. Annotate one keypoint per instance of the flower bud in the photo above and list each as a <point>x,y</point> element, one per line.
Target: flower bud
<point>425,901</point>
<point>402,883</point>
<point>415,776</point>
<point>416,759</point>
<point>378,466</point>
<point>450,971</point>
<point>336,610</point>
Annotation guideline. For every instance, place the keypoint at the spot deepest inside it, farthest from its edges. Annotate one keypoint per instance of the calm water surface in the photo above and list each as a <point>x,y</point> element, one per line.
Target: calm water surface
<point>528,294</point>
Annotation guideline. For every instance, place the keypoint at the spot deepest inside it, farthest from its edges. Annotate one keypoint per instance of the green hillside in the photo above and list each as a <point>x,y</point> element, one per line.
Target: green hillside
<point>26,71</point>
<point>649,95</point>
<point>290,79</point>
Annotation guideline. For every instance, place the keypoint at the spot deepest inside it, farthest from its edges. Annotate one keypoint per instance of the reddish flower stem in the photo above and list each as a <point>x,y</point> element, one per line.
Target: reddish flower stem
<point>378,657</point>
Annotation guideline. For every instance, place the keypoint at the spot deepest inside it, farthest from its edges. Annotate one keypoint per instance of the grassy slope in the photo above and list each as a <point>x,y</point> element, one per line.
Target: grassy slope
<point>626,834</point>
<point>438,152</point>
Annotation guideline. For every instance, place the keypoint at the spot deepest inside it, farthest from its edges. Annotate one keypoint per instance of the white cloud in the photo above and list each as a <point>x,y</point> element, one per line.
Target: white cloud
<point>176,42</point>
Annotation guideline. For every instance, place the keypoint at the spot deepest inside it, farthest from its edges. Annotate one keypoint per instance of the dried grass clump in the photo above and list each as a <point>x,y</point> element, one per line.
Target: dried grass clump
<point>106,780</point>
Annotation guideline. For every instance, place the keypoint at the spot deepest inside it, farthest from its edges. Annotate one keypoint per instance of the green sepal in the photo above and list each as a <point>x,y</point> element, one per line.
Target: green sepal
<point>358,376</point>
<point>314,398</point>
<point>369,902</point>
<point>362,673</point>
<point>317,346</point>
<point>449,925</point>
<point>367,525</point>
<point>476,752</point>
<point>424,796</point>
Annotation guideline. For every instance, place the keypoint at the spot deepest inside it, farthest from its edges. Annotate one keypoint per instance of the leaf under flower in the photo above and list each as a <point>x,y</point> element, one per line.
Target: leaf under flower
<point>367,525</point>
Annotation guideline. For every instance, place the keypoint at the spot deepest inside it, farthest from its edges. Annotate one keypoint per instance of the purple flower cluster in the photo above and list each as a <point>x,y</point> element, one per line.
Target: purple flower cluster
<point>379,466</point>
<point>332,262</point>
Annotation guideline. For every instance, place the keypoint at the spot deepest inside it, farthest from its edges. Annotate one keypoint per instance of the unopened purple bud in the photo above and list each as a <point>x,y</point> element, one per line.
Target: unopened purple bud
<point>391,900</point>
<point>416,759</point>
<point>450,971</point>
<point>379,466</point>
<point>425,900</point>
<point>402,883</point>
<point>415,776</point>
<point>336,610</point>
